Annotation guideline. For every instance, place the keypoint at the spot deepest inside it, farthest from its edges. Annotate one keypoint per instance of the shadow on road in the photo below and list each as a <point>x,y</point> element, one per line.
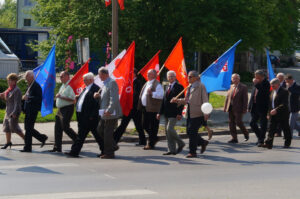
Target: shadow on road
<point>37,169</point>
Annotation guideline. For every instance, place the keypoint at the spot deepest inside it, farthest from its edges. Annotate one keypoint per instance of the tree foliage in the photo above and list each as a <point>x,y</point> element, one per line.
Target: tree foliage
<point>207,26</point>
<point>8,13</point>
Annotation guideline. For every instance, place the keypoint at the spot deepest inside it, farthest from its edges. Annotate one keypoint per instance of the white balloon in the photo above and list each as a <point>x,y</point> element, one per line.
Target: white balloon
<point>206,108</point>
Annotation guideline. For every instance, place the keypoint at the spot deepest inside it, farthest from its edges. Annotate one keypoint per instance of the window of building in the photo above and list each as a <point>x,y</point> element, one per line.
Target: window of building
<point>27,3</point>
<point>27,22</point>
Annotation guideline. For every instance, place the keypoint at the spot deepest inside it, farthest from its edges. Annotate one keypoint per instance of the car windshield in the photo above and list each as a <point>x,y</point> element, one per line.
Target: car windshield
<point>4,48</point>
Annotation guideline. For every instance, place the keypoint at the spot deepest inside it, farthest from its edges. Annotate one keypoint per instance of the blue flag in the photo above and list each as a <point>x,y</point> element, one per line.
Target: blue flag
<point>217,77</point>
<point>270,69</point>
<point>45,77</point>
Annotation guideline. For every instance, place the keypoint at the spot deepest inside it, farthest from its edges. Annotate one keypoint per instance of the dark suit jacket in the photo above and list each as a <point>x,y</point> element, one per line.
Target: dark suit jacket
<point>240,101</point>
<point>34,102</point>
<point>137,87</point>
<point>262,97</point>
<point>280,102</point>
<point>90,106</point>
<point>171,109</point>
<point>294,97</point>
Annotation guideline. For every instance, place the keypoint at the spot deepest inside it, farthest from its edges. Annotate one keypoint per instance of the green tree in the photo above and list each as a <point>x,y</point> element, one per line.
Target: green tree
<point>8,13</point>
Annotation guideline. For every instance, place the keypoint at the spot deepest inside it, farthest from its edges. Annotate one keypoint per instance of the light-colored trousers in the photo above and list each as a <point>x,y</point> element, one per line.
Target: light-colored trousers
<point>172,135</point>
<point>293,122</point>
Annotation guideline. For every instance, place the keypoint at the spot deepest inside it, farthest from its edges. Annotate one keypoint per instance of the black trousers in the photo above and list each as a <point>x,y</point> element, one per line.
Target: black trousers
<point>192,128</point>
<point>262,118</point>
<point>137,119</point>
<point>30,118</point>
<point>150,125</point>
<point>85,125</point>
<point>62,123</point>
<point>284,123</point>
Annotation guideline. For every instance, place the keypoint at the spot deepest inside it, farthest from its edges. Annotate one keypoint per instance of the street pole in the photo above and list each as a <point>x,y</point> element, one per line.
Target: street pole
<point>114,28</point>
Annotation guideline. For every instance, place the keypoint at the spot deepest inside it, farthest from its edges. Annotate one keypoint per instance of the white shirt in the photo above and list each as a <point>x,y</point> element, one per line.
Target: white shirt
<point>158,94</point>
<point>82,96</point>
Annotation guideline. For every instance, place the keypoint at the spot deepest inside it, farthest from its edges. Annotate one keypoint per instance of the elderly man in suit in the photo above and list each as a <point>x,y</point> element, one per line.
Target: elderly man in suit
<point>172,113</point>
<point>87,115</point>
<point>280,77</point>
<point>294,90</point>
<point>278,113</point>
<point>149,102</point>
<point>110,111</point>
<point>32,105</point>
<point>258,106</point>
<point>195,97</point>
<point>236,105</point>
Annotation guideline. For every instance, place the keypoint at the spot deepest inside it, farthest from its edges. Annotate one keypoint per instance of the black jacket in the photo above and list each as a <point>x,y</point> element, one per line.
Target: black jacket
<point>90,105</point>
<point>294,97</point>
<point>280,102</point>
<point>171,109</point>
<point>262,97</point>
<point>34,102</point>
<point>137,87</point>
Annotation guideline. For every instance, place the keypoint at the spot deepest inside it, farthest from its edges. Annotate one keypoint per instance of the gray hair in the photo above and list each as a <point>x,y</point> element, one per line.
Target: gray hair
<point>260,73</point>
<point>280,75</point>
<point>275,81</point>
<point>152,71</point>
<point>88,76</point>
<point>30,73</point>
<point>194,73</point>
<point>103,70</point>
<point>171,73</point>
<point>235,74</point>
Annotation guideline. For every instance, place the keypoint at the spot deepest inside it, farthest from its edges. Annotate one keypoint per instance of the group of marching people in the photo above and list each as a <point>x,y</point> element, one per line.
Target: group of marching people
<point>98,110</point>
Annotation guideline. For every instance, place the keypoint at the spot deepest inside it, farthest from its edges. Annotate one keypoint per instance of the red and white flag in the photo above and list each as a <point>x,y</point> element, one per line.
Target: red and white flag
<point>107,3</point>
<point>76,82</point>
<point>152,64</point>
<point>176,62</point>
<point>110,67</point>
<point>123,74</point>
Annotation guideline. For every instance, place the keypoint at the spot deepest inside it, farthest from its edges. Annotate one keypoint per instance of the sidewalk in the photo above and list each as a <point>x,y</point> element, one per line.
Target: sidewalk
<point>218,122</point>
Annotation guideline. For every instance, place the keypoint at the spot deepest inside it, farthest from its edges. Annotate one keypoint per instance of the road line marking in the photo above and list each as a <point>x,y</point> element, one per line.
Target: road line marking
<point>38,165</point>
<point>74,195</point>
<point>109,176</point>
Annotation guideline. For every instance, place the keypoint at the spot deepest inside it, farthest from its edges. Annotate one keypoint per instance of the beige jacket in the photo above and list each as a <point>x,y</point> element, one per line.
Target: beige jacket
<point>195,97</point>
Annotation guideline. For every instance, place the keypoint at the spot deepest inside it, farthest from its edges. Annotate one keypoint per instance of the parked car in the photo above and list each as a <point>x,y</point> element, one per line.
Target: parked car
<point>275,61</point>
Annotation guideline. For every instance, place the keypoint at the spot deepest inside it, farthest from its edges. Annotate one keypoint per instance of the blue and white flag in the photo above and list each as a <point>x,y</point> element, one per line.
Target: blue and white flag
<point>45,76</point>
<point>217,77</point>
<point>271,74</point>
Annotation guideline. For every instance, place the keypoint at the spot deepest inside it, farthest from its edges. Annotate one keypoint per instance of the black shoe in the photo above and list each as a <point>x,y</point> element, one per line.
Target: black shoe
<point>44,141</point>
<point>71,155</point>
<point>139,144</point>
<point>203,146</point>
<point>7,145</point>
<point>259,144</point>
<point>169,153</point>
<point>99,155</point>
<point>286,146</point>
<point>233,141</point>
<point>268,146</point>
<point>246,138</point>
<point>54,150</point>
<point>26,151</point>
<point>180,148</point>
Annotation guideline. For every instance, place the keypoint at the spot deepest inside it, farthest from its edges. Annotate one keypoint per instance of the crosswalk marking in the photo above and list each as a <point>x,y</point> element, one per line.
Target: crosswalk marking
<point>74,195</point>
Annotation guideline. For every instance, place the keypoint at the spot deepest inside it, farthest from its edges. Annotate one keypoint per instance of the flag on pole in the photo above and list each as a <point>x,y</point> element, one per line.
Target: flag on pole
<point>76,82</point>
<point>271,74</point>
<point>110,67</point>
<point>121,3</point>
<point>176,62</point>
<point>45,76</point>
<point>217,77</point>
<point>152,64</point>
<point>107,3</point>
<point>123,74</point>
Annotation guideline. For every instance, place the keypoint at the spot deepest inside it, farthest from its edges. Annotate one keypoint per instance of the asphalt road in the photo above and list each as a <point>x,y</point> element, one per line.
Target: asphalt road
<point>224,171</point>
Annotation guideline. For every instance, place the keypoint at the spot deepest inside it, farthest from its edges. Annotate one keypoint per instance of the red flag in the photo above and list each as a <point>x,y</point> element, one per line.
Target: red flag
<point>123,74</point>
<point>121,3</point>
<point>152,64</point>
<point>176,62</point>
<point>107,3</point>
<point>77,81</point>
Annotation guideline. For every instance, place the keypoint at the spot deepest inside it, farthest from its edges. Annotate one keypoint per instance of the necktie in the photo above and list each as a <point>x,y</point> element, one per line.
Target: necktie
<point>234,91</point>
<point>169,90</point>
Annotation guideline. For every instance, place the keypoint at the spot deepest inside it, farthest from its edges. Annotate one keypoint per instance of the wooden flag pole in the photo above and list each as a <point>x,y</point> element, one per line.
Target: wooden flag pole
<point>161,69</point>
<point>182,91</point>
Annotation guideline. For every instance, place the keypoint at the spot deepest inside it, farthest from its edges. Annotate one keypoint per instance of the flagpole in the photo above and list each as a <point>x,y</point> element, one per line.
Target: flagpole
<point>114,28</point>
